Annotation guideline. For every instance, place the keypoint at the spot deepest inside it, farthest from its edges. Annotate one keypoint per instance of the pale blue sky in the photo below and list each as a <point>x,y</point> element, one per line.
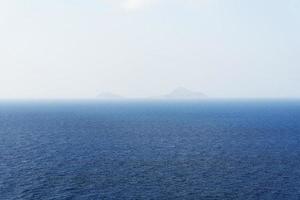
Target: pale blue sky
<point>77,49</point>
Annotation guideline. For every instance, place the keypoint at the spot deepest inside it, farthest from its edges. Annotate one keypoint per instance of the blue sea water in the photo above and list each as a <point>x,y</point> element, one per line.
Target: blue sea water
<point>150,150</point>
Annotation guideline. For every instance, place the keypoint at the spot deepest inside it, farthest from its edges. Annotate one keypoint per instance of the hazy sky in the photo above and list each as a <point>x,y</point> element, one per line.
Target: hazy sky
<point>79,48</point>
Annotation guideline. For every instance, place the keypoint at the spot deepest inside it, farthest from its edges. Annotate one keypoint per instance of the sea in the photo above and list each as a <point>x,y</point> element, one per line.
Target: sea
<point>136,150</point>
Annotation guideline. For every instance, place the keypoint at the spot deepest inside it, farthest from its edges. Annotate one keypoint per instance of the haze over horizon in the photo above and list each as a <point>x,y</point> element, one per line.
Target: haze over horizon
<point>142,48</point>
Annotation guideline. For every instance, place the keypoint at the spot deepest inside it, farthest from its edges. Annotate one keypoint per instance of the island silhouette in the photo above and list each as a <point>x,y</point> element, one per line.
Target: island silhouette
<point>179,93</point>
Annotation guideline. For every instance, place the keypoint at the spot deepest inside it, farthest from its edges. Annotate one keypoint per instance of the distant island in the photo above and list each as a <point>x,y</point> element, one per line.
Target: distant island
<point>182,93</point>
<point>179,93</point>
<point>109,96</point>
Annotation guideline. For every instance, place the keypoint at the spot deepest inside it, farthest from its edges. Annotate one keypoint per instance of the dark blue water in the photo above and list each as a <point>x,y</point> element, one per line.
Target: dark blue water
<point>150,150</point>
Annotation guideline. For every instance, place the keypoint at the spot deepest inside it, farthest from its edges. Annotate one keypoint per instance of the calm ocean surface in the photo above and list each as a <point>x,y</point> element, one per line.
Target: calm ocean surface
<point>150,150</point>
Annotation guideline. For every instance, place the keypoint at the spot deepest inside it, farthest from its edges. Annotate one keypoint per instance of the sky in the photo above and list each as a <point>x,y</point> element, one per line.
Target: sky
<point>140,48</point>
